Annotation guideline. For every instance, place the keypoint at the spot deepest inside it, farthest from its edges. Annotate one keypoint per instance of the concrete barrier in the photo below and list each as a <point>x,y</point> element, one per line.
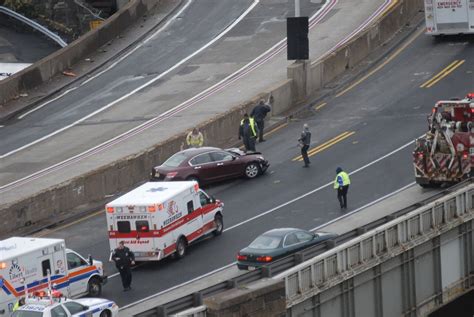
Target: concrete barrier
<point>352,53</point>
<point>43,70</point>
<point>95,186</point>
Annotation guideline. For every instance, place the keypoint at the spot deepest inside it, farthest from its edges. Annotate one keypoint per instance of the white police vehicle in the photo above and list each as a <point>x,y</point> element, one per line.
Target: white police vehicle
<point>41,304</point>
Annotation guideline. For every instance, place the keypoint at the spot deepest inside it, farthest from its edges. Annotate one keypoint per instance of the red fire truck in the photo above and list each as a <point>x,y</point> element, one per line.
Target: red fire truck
<point>445,154</point>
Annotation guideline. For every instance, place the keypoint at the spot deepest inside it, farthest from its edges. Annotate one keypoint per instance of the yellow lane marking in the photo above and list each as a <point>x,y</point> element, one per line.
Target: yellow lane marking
<point>320,106</point>
<point>388,60</point>
<point>389,7</point>
<point>276,129</point>
<point>48,231</point>
<point>325,145</point>
<point>443,73</point>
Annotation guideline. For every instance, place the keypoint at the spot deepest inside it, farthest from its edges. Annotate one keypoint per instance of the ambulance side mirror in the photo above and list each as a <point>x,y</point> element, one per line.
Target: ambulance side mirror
<point>212,200</point>
<point>91,261</point>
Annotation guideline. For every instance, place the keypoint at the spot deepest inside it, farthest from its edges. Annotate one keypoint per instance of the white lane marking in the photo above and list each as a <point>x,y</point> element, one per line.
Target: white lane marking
<point>317,189</point>
<point>215,39</point>
<point>365,206</point>
<point>171,20</point>
<point>178,286</point>
<point>233,263</point>
<point>318,16</point>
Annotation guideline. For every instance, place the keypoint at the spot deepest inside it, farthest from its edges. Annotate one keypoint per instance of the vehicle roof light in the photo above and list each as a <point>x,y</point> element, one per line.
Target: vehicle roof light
<point>161,207</point>
<point>110,210</point>
<point>152,208</point>
<point>3,265</point>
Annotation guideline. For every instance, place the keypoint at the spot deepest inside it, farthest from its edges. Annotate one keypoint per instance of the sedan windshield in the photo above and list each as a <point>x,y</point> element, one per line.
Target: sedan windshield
<point>265,242</point>
<point>175,160</point>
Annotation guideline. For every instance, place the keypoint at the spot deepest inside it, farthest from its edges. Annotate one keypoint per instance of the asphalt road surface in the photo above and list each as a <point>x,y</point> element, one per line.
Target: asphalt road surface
<point>381,114</point>
<point>198,25</point>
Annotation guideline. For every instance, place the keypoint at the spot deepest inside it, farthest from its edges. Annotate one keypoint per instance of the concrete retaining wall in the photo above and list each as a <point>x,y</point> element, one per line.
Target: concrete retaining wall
<point>352,53</point>
<point>264,298</point>
<point>43,70</point>
<point>127,172</point>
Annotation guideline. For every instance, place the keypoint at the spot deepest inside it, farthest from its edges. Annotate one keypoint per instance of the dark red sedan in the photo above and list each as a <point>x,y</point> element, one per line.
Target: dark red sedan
<point>208,164</point>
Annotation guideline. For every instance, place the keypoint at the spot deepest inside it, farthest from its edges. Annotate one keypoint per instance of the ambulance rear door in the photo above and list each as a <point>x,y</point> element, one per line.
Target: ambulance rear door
<point>138,230</point>
<point>451,16</point>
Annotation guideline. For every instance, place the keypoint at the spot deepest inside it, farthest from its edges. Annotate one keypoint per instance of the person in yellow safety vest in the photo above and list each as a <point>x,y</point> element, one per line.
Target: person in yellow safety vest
<point>248,132</point>
<point>341,184</point>
<point>195,138</point>
<point>20,302</point>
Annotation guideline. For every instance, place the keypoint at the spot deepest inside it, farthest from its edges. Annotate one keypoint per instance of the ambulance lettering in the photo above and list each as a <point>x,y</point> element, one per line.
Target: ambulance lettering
<point>131,217</point>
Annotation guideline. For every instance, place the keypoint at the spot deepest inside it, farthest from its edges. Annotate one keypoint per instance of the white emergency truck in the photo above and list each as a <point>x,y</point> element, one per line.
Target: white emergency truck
<point>26,264</point>
<point>158,219</point>
<point>444,17</point>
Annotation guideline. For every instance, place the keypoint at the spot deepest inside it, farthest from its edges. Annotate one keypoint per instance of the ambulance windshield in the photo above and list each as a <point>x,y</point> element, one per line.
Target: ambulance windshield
<point>175,160</point>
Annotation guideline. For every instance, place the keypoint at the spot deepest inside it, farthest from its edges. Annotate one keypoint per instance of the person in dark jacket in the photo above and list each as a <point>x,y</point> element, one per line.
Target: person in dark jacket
<point>304,142</point>
<point>124,259</point>
<point>259,113</point>
<point>248,131</point>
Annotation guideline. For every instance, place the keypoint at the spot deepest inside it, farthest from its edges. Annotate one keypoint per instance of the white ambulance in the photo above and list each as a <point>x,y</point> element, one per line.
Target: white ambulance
<point>445,17</point>
<point>27,264</point>
<point>159,219</point>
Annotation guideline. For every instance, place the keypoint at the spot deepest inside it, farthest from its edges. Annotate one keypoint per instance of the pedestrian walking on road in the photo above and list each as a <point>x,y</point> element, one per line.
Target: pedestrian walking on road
<point>259,113</point>
<point>194,138</point>
<point>248,132</point>
<point>304,142</point>
<point>341,184</point>
<point>124,259</point>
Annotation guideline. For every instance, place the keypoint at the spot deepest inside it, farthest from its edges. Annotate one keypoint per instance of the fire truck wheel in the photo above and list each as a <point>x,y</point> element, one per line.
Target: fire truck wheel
<point>219,222</point>
<point>181,248</point>
<point>94,287</point>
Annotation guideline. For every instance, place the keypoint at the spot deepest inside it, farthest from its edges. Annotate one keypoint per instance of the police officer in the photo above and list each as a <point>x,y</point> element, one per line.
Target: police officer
<point>341,184</point>
<point>304,142</point>
<point>248,131</point>
<point>259,113</point>
<point>194,138</point>
<point>20,302</point>
<point>124,259</point>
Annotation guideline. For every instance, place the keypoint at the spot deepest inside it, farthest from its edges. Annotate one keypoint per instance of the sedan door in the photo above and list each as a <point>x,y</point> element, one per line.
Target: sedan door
<point>296,241</point>
<point>226,165</point>
<point>204,167</point>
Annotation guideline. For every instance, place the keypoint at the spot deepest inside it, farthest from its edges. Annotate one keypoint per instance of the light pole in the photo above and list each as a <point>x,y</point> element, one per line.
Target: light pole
<point>297,8</point>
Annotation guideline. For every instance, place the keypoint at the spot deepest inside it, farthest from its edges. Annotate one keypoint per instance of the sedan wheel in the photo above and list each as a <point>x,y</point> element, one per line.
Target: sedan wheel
<point>252,170</point>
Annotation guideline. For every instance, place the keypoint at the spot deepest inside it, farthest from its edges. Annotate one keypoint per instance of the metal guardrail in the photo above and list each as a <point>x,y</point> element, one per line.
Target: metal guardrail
<point>376,246</point>
<point>277,267</point>
<point>34,25</point>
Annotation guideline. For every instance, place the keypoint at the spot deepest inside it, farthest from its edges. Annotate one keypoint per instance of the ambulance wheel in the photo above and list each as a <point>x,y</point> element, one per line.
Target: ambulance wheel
<point>219,222</point>
<point>94,287</point>
<point>252,170</point>
<point>181,248</point>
